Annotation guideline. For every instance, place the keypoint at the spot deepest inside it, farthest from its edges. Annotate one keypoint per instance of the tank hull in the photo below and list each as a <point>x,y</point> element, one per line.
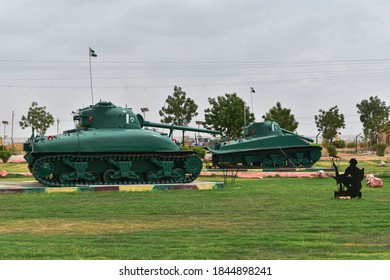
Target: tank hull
<point>70,169</point>
<point>284,151</point>
<point>110,156</point>
<point>283,157</point>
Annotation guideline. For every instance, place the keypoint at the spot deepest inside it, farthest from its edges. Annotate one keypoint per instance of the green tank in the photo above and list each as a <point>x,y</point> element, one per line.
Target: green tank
<point>265,145</point>
<point>110,146</point>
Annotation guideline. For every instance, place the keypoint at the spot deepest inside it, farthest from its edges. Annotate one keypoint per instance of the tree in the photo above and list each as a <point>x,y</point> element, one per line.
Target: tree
<point>38,118</point>
<point>283,116</point>
<point>374,115</point>
<point>329,122</point>
<point>226,114</point>
<point>178,109</point>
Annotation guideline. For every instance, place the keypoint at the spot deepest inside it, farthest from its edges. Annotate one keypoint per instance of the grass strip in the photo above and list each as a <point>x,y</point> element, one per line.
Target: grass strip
<point>271,218</point>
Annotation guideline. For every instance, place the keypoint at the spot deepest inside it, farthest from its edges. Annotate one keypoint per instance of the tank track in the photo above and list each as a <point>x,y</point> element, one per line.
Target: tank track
<point>295,157</point>
<point>62,170</point>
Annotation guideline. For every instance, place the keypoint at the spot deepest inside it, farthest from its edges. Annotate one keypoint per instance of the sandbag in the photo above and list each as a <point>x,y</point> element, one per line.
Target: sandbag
<point>373,181</point>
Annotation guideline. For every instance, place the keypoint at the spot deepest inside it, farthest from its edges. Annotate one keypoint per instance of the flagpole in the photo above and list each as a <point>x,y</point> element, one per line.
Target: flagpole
<point>244,115</point>
<point>90,72</point>
<point>251,90</point>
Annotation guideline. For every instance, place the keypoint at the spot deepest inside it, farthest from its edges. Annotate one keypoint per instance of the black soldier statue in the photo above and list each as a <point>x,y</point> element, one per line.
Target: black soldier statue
<point>350,182</point>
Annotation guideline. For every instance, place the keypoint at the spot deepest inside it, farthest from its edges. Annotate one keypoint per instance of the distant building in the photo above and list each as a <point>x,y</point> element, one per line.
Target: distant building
<point>17,147</point>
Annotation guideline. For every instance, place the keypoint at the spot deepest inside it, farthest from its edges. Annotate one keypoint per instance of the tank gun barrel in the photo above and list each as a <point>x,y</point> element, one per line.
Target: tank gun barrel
<point>303,137</point>
<point>178,127</point>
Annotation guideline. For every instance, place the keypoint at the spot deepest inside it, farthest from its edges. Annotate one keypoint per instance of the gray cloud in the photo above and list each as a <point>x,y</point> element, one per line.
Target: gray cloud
<point>207,47</point>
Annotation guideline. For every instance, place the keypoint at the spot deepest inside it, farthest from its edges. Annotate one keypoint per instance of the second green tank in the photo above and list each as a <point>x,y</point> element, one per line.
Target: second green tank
<point>265,145</point>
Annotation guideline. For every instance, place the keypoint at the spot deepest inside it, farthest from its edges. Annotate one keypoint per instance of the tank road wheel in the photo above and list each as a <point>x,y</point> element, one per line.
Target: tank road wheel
<point>67,179</point>
<point>151,176</point>
<point>275,161</point>
<point>299,163</point>
<point>193,165</point>
<point>95,178</point>
<point>108,176</point>
<point>178,175</point>
<point>306,162</point>
<point>140,177</point>
<point>297,160</point>
<point>44,169</point>
<point>281,163</point>
<point>134,177</point>
<point>304,159</point>
<point>225,160</point>
<point>267,163</point>
<point>292,162</point>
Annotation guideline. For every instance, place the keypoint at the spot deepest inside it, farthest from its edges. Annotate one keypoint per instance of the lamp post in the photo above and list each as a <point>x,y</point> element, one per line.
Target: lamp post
<point>5,123</point>
<point>319,132</point>
<point>143,110</point>
<point>356,141</point>
<point>12,132</point>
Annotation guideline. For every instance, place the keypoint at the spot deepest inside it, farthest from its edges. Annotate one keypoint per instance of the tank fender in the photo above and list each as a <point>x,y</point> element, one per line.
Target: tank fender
<point>29,158</point>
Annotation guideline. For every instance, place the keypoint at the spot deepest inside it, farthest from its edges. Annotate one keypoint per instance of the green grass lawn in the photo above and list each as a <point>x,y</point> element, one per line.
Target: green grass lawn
<point>273,218</point>
<point>370,166</point>
<point>14,167</point>
<point>15,172</point>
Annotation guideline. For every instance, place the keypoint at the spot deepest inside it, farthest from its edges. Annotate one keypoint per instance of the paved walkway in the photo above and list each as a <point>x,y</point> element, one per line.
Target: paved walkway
<point>33,187</point>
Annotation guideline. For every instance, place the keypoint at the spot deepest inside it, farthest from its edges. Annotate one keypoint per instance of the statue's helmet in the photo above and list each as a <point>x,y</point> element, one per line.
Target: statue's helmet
<point>353,161</point>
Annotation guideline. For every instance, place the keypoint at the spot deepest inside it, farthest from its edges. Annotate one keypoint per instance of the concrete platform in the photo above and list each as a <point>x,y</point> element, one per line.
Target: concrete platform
<point>35,187</point>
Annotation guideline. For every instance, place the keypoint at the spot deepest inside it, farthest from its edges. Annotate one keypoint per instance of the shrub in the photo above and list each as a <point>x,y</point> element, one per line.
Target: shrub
<point>339,144</point>
<point>380,149</point>
<point>351,145</point>
<point>201,152</point>
<point>5,155</point>
<point>332,152</point>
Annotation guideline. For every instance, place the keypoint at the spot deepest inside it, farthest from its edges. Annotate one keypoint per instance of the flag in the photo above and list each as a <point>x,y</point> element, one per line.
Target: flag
<point>92,53</point>
<point>252,90</point>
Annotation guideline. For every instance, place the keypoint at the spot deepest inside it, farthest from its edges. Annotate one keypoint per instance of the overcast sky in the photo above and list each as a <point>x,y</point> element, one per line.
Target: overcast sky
<point>308,55</point>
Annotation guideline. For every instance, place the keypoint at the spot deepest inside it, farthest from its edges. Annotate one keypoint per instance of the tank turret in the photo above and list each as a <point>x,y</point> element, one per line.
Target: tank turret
<point>266,145</point>
<point>110,146</point>
<point>261,129</point>
<point>107,115</point>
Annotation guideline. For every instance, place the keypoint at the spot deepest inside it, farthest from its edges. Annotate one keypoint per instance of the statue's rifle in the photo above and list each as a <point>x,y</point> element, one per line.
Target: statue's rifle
<point>337,177</point>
